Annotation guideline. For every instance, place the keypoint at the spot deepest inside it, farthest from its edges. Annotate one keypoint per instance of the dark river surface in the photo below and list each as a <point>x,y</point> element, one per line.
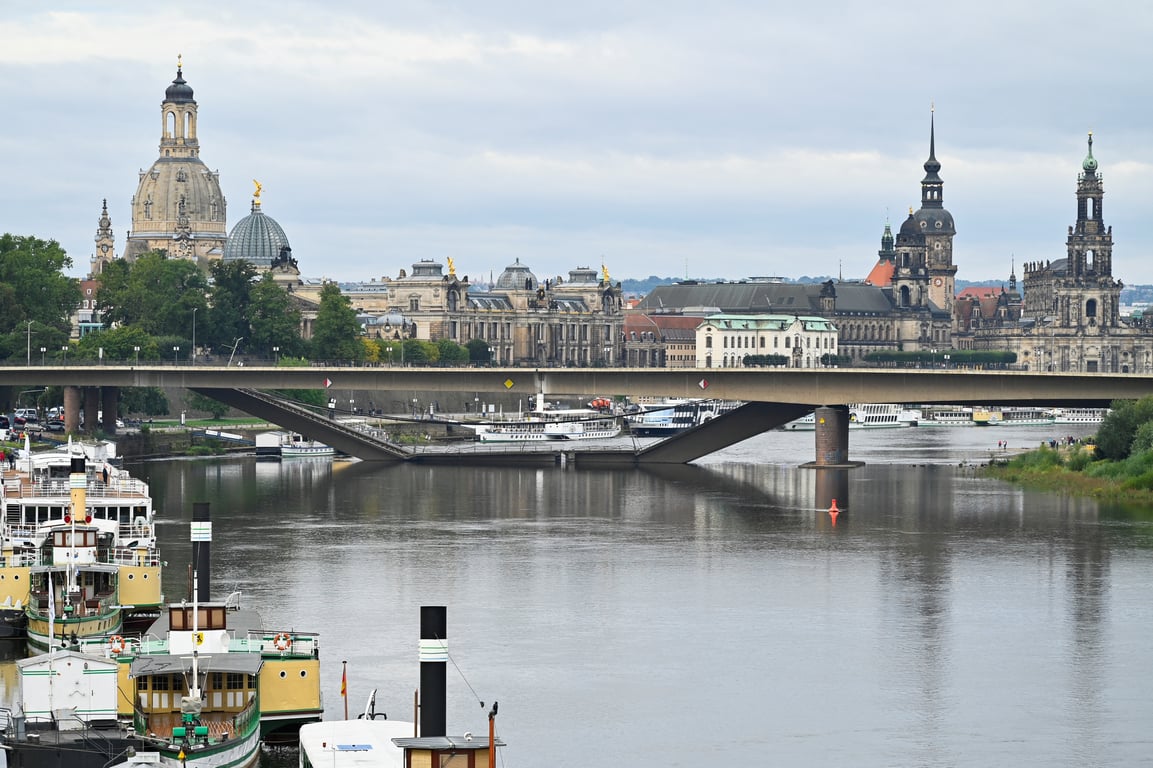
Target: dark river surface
<point>710,614</point>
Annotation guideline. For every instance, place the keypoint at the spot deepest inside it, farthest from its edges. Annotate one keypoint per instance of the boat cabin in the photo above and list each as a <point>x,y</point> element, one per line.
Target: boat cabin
<point>446,751</point>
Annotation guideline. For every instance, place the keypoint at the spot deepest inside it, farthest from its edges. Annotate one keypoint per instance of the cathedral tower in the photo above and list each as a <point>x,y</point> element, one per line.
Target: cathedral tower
<point>105,244</point>
<point>178,206</point>
<point>936,224</point>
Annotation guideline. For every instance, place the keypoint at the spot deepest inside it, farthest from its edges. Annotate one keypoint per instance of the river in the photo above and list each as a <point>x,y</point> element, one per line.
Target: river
<point>714,613</point>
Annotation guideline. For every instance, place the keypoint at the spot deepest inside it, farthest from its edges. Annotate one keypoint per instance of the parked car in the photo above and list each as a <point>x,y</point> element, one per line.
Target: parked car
<point>55,425</point>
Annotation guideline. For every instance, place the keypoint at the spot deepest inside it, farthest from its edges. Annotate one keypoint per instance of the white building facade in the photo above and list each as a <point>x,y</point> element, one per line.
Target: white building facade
<point>725,341</point>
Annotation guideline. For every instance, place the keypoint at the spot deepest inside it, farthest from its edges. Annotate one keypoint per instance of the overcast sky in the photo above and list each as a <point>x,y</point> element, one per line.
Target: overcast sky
<point>722,139</point>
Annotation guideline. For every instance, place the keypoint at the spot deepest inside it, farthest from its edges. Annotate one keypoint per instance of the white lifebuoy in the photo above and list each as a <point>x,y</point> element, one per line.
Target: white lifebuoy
<point>282,642</point>
<point>116,644</point>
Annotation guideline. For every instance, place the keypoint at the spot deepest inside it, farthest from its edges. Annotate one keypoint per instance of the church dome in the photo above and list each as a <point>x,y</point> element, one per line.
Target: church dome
<point>256,238</point>
<point>935,221</point>
<point>180,92</point>
<point>516,277</point>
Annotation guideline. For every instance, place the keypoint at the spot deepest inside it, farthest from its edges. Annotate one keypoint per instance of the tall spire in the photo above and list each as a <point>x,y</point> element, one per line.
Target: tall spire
<point>932,188</point>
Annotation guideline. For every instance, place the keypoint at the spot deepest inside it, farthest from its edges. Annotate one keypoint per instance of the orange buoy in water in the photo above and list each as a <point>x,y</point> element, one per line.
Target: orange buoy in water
<point>834,511</point>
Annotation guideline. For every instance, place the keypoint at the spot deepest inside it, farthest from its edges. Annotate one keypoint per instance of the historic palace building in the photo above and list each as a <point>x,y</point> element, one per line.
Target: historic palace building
<point>1068,318</point>
<point>178,207</point>
<point>576,321</point>
<point>905,304</point>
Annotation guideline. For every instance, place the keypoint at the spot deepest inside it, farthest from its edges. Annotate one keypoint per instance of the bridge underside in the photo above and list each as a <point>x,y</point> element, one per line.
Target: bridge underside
<point>730,428</point>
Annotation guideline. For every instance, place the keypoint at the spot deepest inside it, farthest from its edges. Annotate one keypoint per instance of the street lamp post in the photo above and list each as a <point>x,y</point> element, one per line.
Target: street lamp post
<point>176,355</point>
<point>28,360</point>
<point>233,354</point>
<point>137,351</point>
<point>491,357</point>
<point>194,334</point>
<point>276,354</point>
<point>414,407</point>
<point>64,351</point>
<point>42,351</point>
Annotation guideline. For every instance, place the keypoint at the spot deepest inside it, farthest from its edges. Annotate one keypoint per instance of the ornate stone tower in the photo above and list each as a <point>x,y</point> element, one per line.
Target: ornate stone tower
<point>936,224</point>
<point>178,206</point>
<point>105,244</point>
<point>1081,292</point>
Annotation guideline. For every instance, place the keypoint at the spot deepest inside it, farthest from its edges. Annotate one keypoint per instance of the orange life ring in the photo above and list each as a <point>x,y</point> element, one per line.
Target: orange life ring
<point>116,644</point>
<point>282,642</point>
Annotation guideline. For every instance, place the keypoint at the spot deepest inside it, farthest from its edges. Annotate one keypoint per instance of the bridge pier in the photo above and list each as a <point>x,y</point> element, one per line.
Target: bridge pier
<point>110,397</point>
<point>832,437</point>
<point>72,409</point>
<point>91,408</point>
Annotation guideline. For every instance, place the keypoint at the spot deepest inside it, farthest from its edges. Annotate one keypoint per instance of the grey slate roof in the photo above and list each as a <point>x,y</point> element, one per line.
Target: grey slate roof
<point>783,298</point>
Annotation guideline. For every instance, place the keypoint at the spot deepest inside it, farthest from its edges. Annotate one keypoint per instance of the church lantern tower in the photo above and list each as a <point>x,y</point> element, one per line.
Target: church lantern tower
<point>178,207</point>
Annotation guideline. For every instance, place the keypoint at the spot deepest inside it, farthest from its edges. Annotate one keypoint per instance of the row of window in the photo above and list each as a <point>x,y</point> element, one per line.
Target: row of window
<point>743,342</point>
<point>218,681</point>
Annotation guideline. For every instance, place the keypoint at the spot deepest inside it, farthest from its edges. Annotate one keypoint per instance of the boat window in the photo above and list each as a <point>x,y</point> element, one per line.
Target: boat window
<point>161,683</point>
<point>235,681</point>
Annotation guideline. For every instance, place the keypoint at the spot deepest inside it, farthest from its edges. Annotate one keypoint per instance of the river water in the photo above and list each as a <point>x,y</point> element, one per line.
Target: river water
<point>709,614</point>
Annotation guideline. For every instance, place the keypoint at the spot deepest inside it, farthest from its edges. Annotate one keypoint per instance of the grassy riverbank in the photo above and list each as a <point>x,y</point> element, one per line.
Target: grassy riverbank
<point>1074,470</point>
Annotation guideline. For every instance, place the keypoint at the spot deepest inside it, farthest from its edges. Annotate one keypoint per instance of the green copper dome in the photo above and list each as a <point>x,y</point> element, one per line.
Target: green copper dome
<point>1090,163</point>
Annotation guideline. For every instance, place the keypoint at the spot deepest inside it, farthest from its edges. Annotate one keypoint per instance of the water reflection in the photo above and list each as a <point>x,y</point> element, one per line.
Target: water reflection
<point>944,620</point>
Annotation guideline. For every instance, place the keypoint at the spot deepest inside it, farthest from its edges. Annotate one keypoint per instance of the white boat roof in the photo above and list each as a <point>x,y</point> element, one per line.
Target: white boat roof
<point>244,663</point>
<point>355,743</point>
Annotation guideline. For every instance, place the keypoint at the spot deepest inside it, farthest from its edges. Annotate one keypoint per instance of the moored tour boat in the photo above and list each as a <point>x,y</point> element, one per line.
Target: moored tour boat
<point>545,424</point>
<point>37,501</point>
<point>861,416</point>
<point>1025,417</point>
<point>946,416</point>
<point>675,416</point>
<point>1079,415</point>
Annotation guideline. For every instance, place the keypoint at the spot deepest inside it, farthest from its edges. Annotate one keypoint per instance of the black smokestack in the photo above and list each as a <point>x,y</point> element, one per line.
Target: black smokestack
<point>202,550</point>
<point>433,669</point>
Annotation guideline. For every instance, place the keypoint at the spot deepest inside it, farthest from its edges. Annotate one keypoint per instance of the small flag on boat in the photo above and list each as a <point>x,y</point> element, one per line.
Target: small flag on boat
<point>327,383</point>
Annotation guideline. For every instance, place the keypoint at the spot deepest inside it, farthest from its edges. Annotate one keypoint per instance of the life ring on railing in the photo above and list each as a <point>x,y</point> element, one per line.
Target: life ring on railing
<point>116,644</point>
<point>282,642</point>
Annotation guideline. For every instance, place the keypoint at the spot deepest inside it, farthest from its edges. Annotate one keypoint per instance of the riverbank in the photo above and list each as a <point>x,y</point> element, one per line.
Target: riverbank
<point>1072,470</point>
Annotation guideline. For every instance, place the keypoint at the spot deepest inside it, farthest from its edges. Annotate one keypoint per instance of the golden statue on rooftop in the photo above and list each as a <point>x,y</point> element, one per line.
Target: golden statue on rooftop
<point>256,194</point>
<point>605,273</point>
<point>451,267</point>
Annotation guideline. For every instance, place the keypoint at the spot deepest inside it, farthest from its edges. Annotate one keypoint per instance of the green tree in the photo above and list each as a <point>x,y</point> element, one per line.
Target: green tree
<point>34,284</point>
<point>150,401</point>
<point>335,332</point>
<point>273,319</point>
<point>231,299</point>
<point>118,344</point>
<point>479,351</point>
<point>1120,426</point>
<point>154,293</point>
<point>198,402</point>
<point>36,297</point>
<point>451,353</point>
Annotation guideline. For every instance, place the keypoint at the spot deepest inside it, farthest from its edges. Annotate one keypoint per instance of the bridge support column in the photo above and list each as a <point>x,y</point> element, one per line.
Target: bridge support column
<point>72,410</point>
<point>832,437</point>
<point>91,409</point>
<point>110,399</point>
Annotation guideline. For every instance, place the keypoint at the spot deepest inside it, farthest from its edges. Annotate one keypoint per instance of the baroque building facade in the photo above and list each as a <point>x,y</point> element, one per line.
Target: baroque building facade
<point>178,206</point>
<point>1068,316</point>
<point>574,321</point>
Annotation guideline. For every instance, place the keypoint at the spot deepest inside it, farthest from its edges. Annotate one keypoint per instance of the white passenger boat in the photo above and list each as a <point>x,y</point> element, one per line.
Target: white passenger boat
<point>1079,415</point>
<point>675,416</point>
<point>290,445</point>
<point>946,416</point>
<point>112,544</point>
<point>545,424</point>
<point>1025,417</point>
<point>862,416</point>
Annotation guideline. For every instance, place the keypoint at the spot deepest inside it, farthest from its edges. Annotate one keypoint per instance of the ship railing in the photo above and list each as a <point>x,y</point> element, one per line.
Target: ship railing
<point>26,559</point>
<point>133,556</point>
<point>115,488</point>
<point>287,643</point>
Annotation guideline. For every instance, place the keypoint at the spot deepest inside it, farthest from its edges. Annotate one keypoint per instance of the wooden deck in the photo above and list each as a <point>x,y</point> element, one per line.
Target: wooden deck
<point>219,724</point>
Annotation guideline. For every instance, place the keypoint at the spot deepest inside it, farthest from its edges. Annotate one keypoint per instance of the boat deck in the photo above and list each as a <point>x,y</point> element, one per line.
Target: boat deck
<point>220,724</point>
